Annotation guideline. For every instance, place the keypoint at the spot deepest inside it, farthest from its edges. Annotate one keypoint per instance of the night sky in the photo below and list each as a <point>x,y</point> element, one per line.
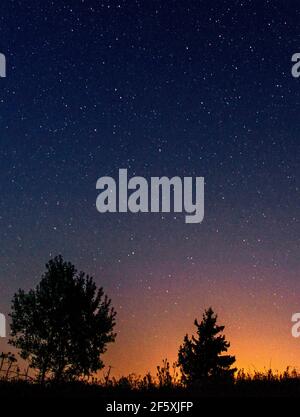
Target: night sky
<point>187,88</point>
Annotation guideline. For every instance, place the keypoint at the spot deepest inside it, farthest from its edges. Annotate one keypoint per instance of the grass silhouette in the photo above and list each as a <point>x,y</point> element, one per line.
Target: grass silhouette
<point>166,384</point>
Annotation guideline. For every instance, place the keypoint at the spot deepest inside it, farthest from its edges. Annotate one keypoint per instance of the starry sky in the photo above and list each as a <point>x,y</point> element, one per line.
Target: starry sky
<point>193,88</point>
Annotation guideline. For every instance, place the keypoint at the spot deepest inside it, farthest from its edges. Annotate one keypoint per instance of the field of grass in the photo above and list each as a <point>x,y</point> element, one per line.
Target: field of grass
<point>260,385</point>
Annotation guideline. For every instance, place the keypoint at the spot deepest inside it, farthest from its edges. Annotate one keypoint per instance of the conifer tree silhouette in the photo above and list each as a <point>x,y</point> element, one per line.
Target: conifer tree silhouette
<point>200,358</point>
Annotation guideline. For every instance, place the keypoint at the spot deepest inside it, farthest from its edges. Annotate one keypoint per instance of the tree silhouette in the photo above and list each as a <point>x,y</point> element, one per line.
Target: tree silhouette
<point>64,324</point>
<point>200,358</point>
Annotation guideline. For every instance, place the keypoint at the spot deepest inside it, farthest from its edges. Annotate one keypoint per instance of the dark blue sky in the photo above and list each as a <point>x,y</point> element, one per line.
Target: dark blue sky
<point>161,88</point>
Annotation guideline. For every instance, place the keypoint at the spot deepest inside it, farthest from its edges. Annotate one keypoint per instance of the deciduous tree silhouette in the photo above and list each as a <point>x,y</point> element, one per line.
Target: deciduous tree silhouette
<point>64,324</point>
<point>200,358</point>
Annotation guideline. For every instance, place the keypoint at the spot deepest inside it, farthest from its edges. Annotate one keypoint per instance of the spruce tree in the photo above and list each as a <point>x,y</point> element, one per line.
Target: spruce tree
<point>200,358</point>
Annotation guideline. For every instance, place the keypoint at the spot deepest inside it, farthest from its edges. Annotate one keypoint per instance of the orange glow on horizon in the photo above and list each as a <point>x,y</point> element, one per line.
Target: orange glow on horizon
<point>258,325</point>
